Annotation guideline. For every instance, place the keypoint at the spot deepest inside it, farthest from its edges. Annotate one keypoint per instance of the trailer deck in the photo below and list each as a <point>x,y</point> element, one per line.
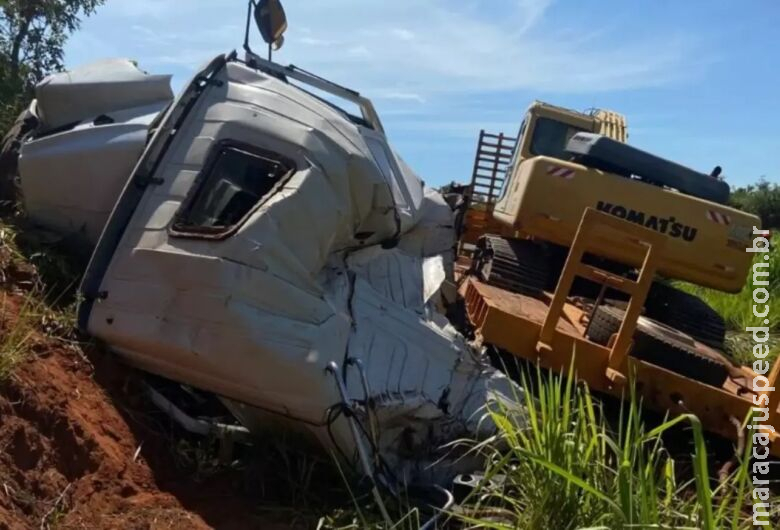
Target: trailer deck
<point>550,329</point>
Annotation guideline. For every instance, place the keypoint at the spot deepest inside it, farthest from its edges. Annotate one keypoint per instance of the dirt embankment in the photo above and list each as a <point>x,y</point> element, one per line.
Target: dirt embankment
<point>74,454</point>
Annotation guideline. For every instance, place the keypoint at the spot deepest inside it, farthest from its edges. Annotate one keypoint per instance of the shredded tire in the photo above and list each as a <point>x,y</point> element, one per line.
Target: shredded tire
<point>659,344</point>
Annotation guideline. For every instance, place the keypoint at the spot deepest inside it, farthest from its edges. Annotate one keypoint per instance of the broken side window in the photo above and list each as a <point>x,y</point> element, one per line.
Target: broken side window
<point>233,183</point>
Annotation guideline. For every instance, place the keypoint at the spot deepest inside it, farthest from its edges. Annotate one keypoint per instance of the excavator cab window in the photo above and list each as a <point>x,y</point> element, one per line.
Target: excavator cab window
<point>550,138</point>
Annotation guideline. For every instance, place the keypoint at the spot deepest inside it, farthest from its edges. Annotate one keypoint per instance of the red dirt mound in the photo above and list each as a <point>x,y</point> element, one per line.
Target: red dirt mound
<point>70,457</point>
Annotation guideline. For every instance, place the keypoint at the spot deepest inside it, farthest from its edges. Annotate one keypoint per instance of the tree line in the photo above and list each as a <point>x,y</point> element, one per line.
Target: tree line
<point>32,39</point>
<point>762,199</point>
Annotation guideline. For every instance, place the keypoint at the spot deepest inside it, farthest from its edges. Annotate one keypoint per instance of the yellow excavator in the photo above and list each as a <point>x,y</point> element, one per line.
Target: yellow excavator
<point>568,239</point>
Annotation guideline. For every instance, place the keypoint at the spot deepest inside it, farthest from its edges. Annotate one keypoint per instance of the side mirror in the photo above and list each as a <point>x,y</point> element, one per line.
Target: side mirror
<point>271,21</point>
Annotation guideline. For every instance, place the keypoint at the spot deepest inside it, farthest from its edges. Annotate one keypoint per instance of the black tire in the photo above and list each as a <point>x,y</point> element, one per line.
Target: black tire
<point>687,313</point>
<point>659,344</point>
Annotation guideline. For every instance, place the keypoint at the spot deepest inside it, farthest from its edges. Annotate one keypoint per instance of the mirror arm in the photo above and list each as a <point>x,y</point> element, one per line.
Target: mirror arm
<point>250,5</point>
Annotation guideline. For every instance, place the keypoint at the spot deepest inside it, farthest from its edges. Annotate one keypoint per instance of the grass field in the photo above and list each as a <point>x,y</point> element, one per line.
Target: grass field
<point>737,311</point>
<point>567,467</point>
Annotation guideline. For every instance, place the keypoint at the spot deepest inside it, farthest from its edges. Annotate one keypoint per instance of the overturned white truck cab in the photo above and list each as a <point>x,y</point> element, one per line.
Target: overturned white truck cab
<point>272,249</point>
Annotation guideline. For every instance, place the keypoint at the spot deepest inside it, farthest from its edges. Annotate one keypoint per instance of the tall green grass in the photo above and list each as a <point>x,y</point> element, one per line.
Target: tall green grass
<point>17,333</point>
<point>567,465</point>
<point>737,309</point>
<point>36,299</point>
<point>564,467</point>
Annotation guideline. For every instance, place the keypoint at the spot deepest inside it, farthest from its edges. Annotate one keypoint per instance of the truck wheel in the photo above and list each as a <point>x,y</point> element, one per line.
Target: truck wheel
<point>664,346</point>
<point>687,313</point>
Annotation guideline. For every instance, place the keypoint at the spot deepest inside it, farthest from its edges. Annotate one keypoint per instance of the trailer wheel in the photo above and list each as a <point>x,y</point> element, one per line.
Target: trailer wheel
<point>687,313</point>
<point>664,346</point>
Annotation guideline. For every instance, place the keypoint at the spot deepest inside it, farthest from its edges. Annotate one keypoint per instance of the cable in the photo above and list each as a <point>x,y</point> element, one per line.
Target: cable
<point>330,419</point>
<point>384,470</point>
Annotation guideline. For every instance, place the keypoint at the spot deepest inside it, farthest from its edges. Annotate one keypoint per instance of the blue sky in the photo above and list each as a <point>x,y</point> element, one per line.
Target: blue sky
<point>699,81</point>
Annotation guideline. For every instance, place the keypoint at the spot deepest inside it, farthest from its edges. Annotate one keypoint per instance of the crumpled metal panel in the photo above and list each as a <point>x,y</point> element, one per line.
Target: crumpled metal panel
<point>103,87</point>
<point>71,180</point>
<point>258,316</point>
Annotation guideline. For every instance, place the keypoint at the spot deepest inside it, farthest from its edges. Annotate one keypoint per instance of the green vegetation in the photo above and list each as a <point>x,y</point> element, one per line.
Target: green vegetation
<point>737,310</point>
<point>567,468</point>
<point>762,199</point>
<point>32,38</point>
<point>43,282</point>
<point>566,465</point>
<point>17,333</point>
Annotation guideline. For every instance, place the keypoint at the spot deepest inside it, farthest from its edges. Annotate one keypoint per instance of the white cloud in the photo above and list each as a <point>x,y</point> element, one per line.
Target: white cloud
<point>314,42</point>
<point>426,48</point>
<point>358,52</point>
<point>400,96</point>
<point>403,34</point>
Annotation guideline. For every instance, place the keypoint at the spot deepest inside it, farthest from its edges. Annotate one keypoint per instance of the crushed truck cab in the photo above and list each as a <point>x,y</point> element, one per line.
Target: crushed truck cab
<point>266,234</point>
<point>270,248</point>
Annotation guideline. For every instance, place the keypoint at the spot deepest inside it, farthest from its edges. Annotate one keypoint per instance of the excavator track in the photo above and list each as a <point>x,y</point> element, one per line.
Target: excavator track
<point>517,265</point>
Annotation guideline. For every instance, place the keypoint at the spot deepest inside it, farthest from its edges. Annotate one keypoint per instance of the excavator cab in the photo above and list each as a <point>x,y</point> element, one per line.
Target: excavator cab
<point>545,131</point>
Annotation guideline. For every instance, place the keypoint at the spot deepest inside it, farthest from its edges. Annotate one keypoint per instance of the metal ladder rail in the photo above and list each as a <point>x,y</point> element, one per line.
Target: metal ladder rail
<point>494,152</point>
<point>648,244</point>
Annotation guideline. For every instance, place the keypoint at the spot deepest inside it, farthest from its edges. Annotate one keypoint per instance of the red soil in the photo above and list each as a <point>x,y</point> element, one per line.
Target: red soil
<point>70,458</point>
